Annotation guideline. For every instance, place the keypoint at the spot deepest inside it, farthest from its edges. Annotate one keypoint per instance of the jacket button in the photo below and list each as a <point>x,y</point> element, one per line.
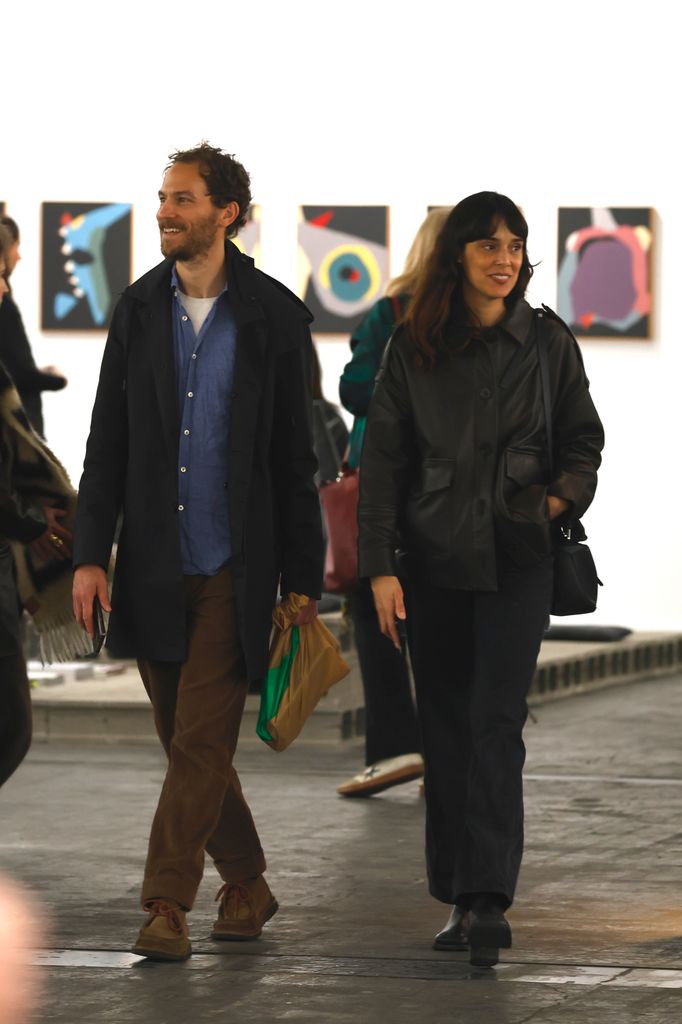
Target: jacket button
<point>485,393</point>
<point>485,449</point>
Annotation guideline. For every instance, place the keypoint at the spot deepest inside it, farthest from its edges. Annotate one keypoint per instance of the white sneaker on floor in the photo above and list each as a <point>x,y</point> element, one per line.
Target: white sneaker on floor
<point>392,771</point>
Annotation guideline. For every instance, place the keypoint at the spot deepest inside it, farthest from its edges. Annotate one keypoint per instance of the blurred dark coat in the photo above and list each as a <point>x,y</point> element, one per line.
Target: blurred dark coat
<point>17,357</point>
<point>19,520</point>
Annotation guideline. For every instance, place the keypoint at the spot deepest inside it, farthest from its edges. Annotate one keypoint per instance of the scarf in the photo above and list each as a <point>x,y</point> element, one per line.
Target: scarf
<point>37,477</point>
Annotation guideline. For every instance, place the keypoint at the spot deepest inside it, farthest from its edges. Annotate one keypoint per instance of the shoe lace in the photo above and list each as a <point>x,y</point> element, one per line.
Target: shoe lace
<point>235,893</point>
<point>159,908</point>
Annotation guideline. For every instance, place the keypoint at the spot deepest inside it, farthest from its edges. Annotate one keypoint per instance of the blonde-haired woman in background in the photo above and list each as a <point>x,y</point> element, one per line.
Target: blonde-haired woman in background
<point>392,740</point>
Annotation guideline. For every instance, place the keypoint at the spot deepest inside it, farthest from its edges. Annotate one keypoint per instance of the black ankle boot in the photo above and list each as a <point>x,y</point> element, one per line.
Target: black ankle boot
<point>454,936</point>
<point>489,931</point>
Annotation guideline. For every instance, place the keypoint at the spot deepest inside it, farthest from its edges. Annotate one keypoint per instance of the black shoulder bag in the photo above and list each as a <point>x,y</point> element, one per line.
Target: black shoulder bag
<point>575,575</point>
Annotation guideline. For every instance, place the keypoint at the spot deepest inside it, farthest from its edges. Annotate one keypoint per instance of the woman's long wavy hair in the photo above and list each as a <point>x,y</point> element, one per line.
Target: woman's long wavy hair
<point>437,318</point>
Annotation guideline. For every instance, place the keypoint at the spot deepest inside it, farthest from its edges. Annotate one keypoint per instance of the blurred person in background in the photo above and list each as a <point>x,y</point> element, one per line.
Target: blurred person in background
<point>15,348</point>
<point>19,978</point>
<point>392,740</point>
<point>34,545</point>
<point>330,433</point>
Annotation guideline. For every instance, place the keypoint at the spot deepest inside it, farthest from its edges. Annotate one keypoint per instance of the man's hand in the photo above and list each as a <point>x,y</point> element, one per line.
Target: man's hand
<point>306,614</point>
<point>390,605</point>
<point>89,581</point>
<point>555,506</point>
<point>56,541</point>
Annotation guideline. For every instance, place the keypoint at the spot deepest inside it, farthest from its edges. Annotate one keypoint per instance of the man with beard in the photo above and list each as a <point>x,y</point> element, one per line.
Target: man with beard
<point>201,439</point>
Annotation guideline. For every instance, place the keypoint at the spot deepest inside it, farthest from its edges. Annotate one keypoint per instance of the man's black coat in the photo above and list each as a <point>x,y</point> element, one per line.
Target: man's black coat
<point>131,465</point>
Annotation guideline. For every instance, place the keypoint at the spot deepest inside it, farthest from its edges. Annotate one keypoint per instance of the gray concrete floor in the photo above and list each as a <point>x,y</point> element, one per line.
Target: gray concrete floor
<point>597,922</point>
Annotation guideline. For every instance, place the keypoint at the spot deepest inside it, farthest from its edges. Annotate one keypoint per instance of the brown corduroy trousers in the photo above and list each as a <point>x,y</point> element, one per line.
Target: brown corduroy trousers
<point>198,707</point>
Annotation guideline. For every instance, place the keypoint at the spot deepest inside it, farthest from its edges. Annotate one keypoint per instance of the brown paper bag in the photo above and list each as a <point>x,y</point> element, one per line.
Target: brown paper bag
<point>305,661</point>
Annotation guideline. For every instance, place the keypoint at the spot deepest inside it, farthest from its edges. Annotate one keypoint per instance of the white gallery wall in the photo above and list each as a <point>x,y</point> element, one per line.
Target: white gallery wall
<point>385,103</point>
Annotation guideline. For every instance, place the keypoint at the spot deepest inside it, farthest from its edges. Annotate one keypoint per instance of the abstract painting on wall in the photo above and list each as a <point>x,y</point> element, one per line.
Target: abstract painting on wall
<point>342,263</point>
<point>248,239</point>
<point>604,286</point>
<point>86,263</point>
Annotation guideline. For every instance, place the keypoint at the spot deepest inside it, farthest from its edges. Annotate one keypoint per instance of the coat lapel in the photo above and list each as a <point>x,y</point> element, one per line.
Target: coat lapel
<point>250,319</point>
<point>154,293</point>
<point>250,372</point>
<point>160,327</point>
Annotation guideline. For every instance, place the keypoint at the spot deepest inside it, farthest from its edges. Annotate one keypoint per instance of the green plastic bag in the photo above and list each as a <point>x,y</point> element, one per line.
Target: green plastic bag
<point>276,684</point>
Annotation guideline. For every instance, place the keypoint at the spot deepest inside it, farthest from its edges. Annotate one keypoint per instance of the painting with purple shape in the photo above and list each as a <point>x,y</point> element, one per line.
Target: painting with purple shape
<point>86,263</point>
<point>604,285</point>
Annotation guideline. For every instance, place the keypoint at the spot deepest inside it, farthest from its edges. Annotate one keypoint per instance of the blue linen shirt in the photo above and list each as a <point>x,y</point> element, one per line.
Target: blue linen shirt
<point>205,372</point>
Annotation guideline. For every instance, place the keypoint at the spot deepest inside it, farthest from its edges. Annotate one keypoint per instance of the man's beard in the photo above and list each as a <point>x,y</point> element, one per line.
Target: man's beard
<point>193,242</point>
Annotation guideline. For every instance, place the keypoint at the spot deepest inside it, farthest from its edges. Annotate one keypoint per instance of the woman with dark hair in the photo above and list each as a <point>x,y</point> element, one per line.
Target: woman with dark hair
<point>456,493</point>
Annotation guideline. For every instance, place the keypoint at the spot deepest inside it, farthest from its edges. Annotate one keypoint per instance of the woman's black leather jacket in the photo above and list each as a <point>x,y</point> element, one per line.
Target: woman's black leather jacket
<point>454,465</point>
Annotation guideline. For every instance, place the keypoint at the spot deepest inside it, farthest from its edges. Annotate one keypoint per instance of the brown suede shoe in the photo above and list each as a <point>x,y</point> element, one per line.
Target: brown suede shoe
<point>244,908</point>
<point>165,936</point>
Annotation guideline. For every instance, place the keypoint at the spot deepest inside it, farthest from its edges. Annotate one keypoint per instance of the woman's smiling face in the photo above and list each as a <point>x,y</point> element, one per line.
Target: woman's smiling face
<point>491,266</point>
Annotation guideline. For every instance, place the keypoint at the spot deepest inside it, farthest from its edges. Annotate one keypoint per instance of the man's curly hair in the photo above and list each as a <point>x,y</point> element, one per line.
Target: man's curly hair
<point>226,179</point>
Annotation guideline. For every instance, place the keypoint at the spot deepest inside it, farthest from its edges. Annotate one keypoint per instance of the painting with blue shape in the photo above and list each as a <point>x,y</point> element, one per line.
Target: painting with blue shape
<point>86,263</point>
<point>342,263</point>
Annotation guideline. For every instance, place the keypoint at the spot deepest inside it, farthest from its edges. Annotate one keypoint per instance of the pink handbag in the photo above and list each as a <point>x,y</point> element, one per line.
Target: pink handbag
<point>340,509</point>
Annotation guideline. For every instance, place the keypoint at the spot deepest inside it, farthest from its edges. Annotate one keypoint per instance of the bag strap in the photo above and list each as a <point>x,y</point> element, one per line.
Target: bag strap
<point>333,451</point>
<point>572,527</point>
<point>546,393</point>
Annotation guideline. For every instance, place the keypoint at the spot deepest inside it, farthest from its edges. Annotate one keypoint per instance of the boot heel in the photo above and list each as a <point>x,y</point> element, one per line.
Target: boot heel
<point>484,956</point>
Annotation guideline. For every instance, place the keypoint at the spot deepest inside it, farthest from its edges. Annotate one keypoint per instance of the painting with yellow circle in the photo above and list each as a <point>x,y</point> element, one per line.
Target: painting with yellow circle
<point>342,263</point>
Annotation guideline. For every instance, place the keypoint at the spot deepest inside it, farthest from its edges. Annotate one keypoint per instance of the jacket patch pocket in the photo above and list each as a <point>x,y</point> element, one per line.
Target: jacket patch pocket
<point>429,514</point>
<point>436,475</point>
<point>521,491</point>
<point>524,468</point>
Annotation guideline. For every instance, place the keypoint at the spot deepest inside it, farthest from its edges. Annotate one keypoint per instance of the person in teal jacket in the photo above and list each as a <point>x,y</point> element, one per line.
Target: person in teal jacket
<point>392,739</point>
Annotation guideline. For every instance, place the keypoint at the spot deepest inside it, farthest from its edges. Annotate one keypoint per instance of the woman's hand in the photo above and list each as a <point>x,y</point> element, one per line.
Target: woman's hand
<point>555,506</point>
<point>390,605</point>
<point>56,541</point>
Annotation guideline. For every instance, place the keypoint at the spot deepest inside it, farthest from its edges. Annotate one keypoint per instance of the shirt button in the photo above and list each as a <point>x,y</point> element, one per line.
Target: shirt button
<point>183,469</point>
<point>181,508</point>
<point>485,392</point>
<point>194,355</point>
<point>190,394</point>
<point>186,433</point>
<point>185,317</point>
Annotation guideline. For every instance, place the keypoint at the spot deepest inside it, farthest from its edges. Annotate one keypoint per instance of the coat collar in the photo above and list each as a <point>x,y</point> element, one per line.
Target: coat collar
<point>154,287</point>
<point>518,321</point>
